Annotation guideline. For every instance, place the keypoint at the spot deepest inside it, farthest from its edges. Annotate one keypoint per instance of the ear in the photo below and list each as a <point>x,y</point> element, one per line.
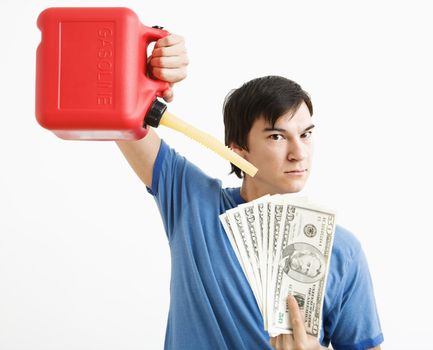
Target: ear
<point>239,150</point>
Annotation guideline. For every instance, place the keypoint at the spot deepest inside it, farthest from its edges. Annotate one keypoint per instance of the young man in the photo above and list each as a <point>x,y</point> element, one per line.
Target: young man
<point>268,122</point>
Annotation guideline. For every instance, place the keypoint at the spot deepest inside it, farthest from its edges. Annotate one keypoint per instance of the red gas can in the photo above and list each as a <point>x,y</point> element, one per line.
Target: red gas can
<point>91,78</point>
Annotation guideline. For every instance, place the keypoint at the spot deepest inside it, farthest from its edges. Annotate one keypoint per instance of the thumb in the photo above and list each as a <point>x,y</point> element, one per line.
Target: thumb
<point>168,94</point>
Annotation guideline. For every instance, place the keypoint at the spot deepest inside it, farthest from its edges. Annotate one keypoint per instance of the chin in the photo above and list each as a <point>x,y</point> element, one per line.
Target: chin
<point>286,189</point>
<point>292,190</point>
<point>293,187</point>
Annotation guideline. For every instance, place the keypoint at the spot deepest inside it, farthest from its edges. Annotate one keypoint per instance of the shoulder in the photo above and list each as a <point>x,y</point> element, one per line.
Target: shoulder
<point>174,171</point>
<point>345,254</point>
<point>346,245</point>
<point>348,266</point>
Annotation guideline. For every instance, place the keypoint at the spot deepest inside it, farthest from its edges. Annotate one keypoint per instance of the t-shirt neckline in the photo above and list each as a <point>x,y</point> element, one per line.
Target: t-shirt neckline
<point>237,196</point>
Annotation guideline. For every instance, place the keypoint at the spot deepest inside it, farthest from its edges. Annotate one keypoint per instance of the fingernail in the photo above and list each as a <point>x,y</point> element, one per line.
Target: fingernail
<point>291,298</point>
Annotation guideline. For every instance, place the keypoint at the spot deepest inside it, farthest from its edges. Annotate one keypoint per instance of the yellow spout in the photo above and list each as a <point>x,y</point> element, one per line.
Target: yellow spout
<point>209,141</point>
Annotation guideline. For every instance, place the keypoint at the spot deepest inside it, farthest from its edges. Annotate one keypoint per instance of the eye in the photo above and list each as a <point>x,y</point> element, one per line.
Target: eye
<point>307,135</point>
<point>276,137</point>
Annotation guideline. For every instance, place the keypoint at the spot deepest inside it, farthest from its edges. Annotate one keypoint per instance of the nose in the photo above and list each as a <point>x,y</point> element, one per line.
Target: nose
<point>297,151</point>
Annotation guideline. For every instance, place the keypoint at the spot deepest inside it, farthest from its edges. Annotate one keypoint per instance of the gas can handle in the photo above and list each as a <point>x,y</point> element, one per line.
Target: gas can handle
<point>151,34</point>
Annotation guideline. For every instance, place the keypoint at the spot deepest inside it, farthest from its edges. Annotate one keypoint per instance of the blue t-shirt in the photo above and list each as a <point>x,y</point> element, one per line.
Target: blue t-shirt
<point>211,303</point>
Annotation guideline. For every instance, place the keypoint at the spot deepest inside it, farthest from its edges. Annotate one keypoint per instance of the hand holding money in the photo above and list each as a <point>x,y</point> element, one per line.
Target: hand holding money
<point>299,339</point>
<point>283,245</point>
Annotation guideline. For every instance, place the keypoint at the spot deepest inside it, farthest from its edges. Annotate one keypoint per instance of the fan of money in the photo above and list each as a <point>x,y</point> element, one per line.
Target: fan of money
<point>283,244</point>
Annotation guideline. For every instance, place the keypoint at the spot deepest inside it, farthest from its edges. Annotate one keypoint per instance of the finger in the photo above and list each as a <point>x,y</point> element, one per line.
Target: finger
<point>299,333</point>
<point>174,50</point>
<point>280,342</point>
<point>273,341</point>
<point>169,40</point>
<point>168,95</point>
<point>286,342</point>
<point>171,75</point>
<point>169,62</point>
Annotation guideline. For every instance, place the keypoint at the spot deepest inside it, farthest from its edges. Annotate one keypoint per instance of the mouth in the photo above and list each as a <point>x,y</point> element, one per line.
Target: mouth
<point>296,172</point>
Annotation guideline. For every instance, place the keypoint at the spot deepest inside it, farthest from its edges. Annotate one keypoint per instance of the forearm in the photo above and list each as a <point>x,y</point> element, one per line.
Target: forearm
<point>141,155</point>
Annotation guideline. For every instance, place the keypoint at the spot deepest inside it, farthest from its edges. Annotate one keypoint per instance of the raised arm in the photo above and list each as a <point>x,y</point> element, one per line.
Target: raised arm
<point>168,62</point>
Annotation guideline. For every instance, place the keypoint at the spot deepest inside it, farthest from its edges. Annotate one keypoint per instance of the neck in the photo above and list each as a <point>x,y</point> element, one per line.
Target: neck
<point>251,191</point>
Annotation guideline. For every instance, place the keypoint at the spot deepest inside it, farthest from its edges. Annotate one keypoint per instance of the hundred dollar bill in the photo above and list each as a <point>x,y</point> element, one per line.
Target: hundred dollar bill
<point>301,267</point>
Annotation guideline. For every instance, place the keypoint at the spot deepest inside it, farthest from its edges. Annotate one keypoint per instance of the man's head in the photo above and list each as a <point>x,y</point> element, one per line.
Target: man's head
<point>268,122</point>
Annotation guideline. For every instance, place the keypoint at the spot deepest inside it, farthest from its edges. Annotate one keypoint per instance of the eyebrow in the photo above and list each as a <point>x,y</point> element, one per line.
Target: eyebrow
<point>284,130</point>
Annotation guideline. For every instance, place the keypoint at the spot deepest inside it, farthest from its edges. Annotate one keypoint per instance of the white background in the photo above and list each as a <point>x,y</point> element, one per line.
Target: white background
<point>84,262</point>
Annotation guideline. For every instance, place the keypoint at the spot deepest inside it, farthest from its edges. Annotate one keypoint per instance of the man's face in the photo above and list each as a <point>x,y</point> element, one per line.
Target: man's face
<point>283,154</point>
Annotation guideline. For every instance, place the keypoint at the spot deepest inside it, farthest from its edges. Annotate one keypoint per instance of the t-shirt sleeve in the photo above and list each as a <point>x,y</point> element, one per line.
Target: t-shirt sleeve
<point>176,182</point>
<point>356,321</point>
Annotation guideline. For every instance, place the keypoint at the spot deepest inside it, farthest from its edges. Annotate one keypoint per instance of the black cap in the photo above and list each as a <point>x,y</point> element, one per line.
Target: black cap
<point>154,114</point>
